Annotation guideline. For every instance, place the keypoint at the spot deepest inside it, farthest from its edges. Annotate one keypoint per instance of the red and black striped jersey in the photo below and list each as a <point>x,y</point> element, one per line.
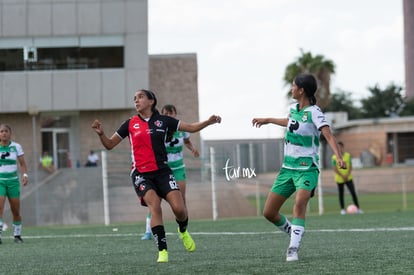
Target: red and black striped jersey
<point>147,140</point>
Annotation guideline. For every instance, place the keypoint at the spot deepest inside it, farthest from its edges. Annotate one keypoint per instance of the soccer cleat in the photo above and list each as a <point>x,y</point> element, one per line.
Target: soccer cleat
<point>360,211</point>
<point>292,254</point>
<point>343,212</point>
<point>18,239</point>
<point>188,242</point>
<point>163,256</point>
<point>146,236</point>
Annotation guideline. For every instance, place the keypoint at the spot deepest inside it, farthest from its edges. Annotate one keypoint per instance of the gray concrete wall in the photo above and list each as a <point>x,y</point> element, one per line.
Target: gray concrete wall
<point>48,23</point>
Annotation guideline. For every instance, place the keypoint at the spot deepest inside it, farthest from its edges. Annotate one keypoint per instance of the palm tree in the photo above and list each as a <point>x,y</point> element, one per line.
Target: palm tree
<point>317,65</point>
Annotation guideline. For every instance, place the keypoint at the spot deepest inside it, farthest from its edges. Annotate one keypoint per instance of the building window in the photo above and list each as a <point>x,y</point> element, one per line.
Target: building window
<point>11,60</point>
<point>65,58</point>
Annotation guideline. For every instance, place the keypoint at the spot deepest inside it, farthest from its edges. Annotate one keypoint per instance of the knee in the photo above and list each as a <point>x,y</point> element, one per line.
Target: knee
<point>181,214</point>
<point>271,216</point>
<point>180,211</point>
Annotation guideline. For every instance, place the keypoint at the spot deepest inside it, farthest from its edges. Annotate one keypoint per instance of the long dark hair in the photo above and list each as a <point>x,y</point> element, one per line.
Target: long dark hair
<point>309,85</point>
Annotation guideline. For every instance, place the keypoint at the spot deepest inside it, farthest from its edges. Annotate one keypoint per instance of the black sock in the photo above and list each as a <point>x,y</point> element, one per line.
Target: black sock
<point>159,237</point>
<point>182,225</point>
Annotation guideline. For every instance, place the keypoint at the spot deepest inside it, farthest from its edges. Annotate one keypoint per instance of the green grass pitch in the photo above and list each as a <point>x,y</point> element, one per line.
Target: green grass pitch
<point>372,243</point>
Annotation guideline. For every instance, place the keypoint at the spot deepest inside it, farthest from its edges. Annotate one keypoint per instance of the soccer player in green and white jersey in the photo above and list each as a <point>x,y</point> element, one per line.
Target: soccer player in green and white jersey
<point>11,153</point>
<point>300,168</point>
<point>174,146</point>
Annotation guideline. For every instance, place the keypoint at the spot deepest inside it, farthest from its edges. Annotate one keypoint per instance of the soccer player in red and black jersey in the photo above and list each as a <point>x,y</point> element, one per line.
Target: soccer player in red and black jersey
<point>152,178</point>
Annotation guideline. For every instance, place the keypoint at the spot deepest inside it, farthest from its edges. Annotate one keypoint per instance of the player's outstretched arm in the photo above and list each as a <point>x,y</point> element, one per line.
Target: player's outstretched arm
<point>191,147</point>
<point>108,143</point>
<point>258,122</point>
<point>326,132</point>
<point>198,126</point>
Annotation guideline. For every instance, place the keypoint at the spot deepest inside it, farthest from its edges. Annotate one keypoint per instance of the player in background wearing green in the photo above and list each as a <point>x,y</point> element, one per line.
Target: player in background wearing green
<point>11,153</point>
<point>174,146</point>
<point>300,168</point>
<point>344,177</point>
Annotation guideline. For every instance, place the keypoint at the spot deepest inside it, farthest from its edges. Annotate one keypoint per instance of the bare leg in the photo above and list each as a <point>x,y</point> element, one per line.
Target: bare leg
<point>15,209</point>
<point>2,202</point>
<point>301,202</point>
<point>153,202</point>
<point>176,201</point>
<point>272,207</point>
<point>182,185</point>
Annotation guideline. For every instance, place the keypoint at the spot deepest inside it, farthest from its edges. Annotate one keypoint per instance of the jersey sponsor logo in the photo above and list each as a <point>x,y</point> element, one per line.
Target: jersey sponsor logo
<point>135,126</point>
<point>5,155</point>
<point>322,118</point>
<point>174,141</point>
<point>294,125</point>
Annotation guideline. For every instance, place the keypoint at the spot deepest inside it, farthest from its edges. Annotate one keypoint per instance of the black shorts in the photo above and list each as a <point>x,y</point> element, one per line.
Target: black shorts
<point>161,181</point>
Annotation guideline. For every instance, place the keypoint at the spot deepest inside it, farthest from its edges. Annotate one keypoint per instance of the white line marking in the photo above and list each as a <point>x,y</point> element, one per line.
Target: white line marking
<point>218,233</point>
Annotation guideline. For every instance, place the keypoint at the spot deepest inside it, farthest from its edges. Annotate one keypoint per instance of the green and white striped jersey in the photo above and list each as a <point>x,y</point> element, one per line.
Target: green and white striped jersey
<point>175,150</point>
<point>8,160</point>
<point>302,137</point>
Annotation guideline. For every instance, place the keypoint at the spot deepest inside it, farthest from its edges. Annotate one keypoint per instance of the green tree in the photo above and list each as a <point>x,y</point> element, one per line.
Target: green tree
<point>341,101</point>
<point>383,103</point>
<point>408,108</point>
<point>317,65</point>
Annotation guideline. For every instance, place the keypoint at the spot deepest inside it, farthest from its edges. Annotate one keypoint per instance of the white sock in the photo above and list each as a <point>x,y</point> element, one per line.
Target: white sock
<point>148,224</point>
<point>285,227</point>
<point>17,229</point>
<point>296,235</point>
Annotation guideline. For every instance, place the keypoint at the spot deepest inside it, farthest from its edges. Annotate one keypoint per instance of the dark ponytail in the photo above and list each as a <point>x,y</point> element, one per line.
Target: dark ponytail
<point>309,85</point>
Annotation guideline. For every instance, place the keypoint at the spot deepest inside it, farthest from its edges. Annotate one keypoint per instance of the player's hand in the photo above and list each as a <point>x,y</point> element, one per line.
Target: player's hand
<point>97,127</point>
<point>214,119</point>
<point>25,181</point>
<point>341,164</point>
<point>258,122</point>
<point>195,152</point>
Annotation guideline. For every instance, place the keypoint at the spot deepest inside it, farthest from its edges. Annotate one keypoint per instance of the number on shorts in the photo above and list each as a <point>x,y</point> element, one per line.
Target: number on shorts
<point>173,183</point>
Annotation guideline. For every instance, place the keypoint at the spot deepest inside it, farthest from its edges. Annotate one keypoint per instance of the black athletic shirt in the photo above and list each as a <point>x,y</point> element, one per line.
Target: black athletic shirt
<point>147,139</point>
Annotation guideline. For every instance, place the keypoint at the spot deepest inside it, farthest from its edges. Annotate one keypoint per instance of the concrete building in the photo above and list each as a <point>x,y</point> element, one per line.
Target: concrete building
<point>65,63</point>
<point>387,140</point>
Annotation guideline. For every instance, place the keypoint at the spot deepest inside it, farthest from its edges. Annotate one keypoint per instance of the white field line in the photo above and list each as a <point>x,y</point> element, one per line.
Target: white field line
<point>116,234</point>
